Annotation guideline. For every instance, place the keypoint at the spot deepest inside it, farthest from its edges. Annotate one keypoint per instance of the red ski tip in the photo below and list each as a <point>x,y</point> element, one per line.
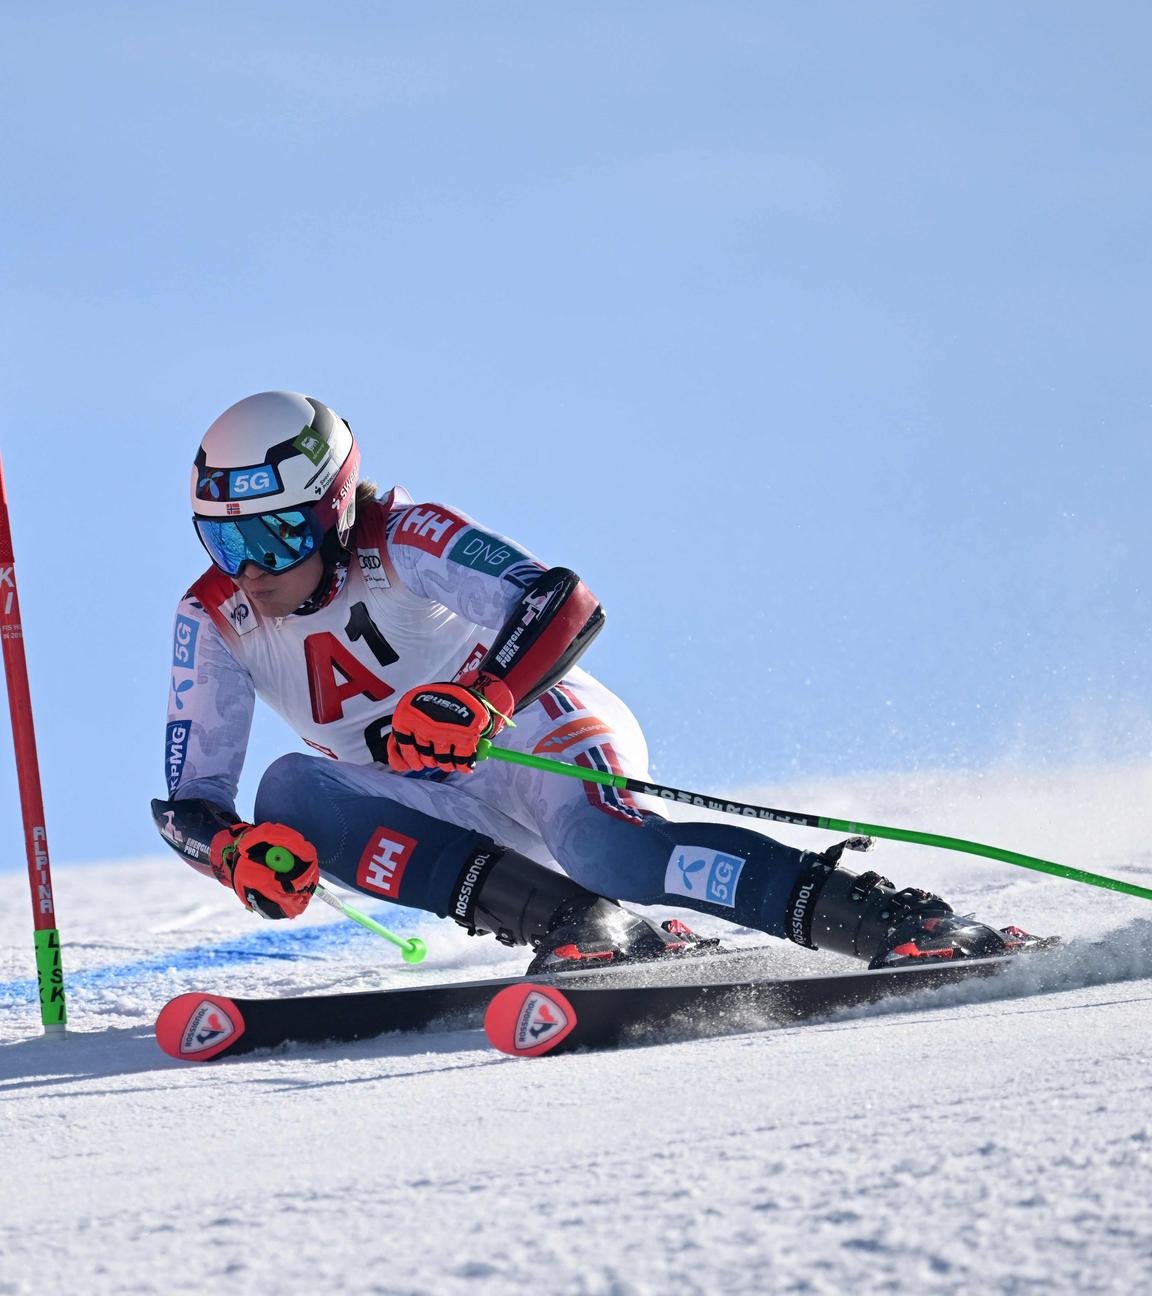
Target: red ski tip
<point>196,1027</point>
<point>528,1020</point>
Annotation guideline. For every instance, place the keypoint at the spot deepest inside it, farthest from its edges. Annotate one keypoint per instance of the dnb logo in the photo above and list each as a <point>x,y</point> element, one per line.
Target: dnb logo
<point>383,862</point>
<point>703,874</point>
<point>529,1020</point>
<point>483,552</point>
<point>196,1027</point>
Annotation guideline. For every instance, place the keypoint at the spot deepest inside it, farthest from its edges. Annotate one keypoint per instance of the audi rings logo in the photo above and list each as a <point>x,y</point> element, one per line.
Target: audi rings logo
<point>372,568</point>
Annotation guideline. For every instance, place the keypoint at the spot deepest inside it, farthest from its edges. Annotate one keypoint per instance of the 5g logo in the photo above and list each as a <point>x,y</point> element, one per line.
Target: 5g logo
<point>247,482</point>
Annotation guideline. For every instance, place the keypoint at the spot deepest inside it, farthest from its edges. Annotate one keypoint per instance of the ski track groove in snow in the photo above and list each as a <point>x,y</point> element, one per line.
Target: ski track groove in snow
<point>981,1139</point>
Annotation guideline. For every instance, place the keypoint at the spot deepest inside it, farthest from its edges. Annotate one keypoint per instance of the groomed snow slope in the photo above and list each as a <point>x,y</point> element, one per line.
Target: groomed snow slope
<point>975,1142</point>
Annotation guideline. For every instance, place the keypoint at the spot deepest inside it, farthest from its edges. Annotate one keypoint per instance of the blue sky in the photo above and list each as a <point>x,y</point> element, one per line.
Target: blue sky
<point>814,336</point>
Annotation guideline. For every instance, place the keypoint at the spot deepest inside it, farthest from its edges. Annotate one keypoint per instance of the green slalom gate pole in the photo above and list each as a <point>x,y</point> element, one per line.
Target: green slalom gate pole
<point>703,802</point>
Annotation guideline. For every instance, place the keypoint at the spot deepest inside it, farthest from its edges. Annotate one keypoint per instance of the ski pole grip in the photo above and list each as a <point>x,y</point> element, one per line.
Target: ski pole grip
<point>280,859</point>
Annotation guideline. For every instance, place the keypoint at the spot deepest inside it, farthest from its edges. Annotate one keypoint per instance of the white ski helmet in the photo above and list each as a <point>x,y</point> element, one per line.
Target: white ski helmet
<point>274,476</point>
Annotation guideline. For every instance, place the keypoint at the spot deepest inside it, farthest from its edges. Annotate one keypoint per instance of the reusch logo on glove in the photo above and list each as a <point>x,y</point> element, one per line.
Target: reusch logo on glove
<point>460,712</point>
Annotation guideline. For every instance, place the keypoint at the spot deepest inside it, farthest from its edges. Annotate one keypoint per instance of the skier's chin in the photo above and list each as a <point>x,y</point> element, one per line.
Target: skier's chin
<point>272,603</point>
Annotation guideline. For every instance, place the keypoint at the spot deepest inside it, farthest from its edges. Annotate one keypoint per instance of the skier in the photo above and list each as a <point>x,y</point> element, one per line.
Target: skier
<point>393,636</point>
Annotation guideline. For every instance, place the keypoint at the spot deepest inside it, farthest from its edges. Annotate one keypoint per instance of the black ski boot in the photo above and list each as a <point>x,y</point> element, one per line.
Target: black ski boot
<point>525,903</point>
<point>591,935</point>
<point>865,917</point>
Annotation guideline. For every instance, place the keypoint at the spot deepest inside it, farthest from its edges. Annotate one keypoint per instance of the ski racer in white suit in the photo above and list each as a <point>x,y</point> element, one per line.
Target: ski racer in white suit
<point>392,636</point>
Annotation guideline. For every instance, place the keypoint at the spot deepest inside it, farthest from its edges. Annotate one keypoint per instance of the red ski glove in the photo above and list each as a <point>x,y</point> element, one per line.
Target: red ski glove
<point>270,867</point>
<point>438,726</point>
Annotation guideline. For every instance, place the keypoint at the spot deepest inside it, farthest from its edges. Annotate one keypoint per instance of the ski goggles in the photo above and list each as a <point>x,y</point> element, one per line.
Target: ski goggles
<point>275,542</point>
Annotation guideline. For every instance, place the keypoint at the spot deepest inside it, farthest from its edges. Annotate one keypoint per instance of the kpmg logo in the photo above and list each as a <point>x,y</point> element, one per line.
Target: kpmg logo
<point>175,753</point>
<point>703,874</point>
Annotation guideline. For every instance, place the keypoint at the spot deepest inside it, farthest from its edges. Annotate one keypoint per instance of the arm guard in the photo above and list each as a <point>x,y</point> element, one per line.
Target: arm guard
<point>189,827</point>
<point>546,633</point>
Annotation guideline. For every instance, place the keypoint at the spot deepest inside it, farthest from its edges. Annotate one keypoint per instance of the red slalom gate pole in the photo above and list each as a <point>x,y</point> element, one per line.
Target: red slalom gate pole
<point>49,969</point>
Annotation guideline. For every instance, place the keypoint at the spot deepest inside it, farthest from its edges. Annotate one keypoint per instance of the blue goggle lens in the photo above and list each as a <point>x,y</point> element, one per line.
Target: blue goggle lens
<point>276,542</point>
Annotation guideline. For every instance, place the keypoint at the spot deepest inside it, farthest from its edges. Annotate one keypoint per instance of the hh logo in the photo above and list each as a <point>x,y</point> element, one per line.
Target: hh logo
<point>383,863</point>
<point>703,874</point>
<point>429,528</point>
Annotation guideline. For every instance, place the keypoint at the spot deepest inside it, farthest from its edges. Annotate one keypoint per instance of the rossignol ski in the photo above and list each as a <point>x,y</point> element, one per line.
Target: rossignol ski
<point>529,1016</point>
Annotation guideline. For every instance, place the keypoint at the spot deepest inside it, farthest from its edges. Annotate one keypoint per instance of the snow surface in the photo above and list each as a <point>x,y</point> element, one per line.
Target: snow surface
<point>972,1142</point>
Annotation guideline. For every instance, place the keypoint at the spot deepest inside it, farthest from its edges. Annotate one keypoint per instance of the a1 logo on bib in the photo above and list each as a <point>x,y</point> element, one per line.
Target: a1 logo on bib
<point>526,1021</point>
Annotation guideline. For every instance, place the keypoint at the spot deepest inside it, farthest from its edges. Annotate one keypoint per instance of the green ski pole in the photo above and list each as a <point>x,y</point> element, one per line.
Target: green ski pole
<point>280,860</point>
<point>412,950</point>
<point>702,801</point>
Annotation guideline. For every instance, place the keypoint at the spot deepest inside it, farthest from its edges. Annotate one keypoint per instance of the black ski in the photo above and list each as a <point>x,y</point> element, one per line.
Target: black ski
<point>200,1027</point>
<point>531,1020</point>
<point>529,1016</point>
